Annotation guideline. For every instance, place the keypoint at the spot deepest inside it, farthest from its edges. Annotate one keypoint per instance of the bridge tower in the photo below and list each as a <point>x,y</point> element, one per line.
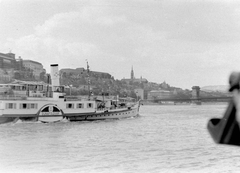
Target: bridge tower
<point>196,95</point>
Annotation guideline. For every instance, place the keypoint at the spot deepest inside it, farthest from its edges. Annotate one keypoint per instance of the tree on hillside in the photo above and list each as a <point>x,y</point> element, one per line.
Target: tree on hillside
<point>133,94</point>
<point>42,76</point>
<point>17,75</point>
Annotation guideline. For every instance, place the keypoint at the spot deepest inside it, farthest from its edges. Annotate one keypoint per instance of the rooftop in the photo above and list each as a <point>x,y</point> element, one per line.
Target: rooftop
<point>35,62</point>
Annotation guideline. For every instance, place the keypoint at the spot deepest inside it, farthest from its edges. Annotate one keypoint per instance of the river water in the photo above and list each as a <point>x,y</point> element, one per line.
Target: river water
<point>165,138</point>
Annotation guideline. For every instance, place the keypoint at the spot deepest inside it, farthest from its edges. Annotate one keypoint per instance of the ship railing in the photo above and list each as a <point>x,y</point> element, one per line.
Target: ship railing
<point>102,109</point>
<point>12,97</point>
<point>118,107</point>
<point>111,108</point>
<point>37,94</point>
<point>79,98</point>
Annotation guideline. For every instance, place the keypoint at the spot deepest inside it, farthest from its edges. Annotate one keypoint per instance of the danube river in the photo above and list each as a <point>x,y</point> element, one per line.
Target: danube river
<point>164,138</point>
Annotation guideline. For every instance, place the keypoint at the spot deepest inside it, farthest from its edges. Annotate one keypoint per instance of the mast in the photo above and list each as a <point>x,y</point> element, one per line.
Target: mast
<point>88,76</point>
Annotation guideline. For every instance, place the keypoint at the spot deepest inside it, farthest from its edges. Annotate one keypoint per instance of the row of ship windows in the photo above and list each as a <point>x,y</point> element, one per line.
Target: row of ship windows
<point>22,106</point>
<point>35,105</point>
<point>109,114</point>
<point>104,115</point>
<point>78,105</point>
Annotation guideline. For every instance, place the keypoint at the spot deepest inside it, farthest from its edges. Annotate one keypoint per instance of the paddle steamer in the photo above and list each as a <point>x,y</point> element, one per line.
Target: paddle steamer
<point>32,101</point>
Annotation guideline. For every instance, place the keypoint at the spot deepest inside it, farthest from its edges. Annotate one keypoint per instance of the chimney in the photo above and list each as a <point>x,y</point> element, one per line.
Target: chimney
<point>55,75</point>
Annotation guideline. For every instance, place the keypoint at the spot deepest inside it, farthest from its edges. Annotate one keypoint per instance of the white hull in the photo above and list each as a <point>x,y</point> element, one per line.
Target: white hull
<point>110,114</point>
<point>51,111</point>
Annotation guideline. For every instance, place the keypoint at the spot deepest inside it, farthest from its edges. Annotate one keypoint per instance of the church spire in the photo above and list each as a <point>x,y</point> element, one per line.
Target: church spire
<point>132,74</point>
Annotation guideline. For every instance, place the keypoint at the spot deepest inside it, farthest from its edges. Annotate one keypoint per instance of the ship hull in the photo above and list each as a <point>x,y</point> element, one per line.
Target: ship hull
<point>103,115</point>
<point>55,112</point>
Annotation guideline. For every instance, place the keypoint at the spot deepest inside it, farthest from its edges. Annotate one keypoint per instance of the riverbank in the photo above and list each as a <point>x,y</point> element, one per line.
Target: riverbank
<point>145,102</point>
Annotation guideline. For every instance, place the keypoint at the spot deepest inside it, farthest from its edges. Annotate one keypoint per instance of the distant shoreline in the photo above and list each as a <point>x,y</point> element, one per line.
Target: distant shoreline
<point>146,103</point>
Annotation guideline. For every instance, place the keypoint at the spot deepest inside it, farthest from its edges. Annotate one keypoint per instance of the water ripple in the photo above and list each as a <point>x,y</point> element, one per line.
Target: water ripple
<point>162,139</point>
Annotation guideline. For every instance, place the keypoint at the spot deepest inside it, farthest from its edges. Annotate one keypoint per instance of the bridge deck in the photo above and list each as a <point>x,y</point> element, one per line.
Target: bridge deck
<point>193,99</point>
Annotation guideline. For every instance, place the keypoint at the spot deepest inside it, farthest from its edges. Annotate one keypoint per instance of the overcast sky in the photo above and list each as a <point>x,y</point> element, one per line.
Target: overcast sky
<point>184,43</point>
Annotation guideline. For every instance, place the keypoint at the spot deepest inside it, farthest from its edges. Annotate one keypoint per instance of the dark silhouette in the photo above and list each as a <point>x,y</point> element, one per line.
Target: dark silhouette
<point>226,130</point>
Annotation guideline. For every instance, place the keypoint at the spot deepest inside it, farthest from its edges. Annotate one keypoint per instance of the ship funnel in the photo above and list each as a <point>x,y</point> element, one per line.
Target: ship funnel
<point>55,75</point>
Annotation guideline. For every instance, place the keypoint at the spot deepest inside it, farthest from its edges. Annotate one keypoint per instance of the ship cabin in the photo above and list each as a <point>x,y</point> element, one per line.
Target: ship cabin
<point>26,89</point>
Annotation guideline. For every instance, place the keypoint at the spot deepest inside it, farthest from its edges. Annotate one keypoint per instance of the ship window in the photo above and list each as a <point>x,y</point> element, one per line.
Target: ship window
<point>79,105</point>
<point>89,105</point>
<point>70,106</point>
<point>28,106</point>
<point>23,106</point>
<point>10,105</point>
<point>33,106</point>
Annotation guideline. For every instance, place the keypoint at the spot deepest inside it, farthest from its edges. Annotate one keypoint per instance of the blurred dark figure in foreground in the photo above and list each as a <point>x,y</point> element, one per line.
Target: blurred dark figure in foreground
<point>226,130</point>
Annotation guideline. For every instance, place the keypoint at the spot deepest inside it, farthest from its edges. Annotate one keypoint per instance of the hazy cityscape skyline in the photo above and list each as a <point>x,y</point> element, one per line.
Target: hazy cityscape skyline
<point>185,43</point>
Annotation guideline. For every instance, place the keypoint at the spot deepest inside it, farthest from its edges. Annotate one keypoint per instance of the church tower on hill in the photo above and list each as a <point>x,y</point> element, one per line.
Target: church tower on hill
<point>133,79</point>
<point>132,74</point>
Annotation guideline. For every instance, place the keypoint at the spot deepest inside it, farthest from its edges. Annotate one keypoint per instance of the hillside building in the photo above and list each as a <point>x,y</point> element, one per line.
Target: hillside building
<point>7,61</point>
<point>133,79</point>
<point>7,67</point>
<point>81,72</point>
<point>159,94</point>
<point>36,67</point>
<point>164,85</point>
